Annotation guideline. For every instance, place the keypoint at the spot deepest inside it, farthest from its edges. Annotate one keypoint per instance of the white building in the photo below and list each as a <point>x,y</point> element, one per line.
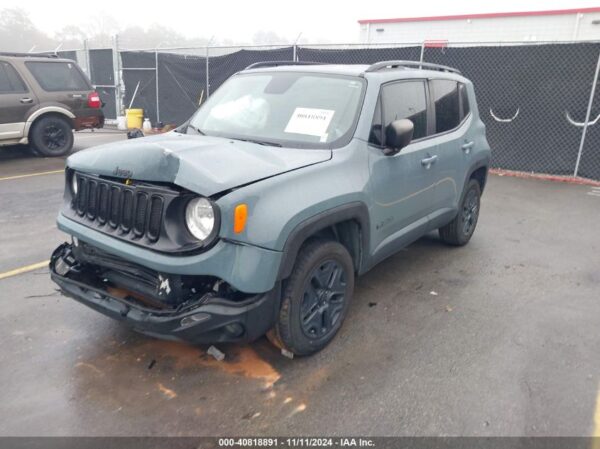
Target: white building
<point>541,26</point>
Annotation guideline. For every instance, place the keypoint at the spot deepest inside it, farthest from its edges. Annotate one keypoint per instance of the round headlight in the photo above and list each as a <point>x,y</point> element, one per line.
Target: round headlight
<point>74,184</point>
<point>200,218</point>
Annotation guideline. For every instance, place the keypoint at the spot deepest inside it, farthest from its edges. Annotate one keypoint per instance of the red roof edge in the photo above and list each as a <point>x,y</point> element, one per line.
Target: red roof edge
<point>552,12</point>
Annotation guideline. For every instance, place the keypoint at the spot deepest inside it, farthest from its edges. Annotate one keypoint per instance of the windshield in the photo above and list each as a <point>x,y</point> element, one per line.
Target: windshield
<point>283,108</point>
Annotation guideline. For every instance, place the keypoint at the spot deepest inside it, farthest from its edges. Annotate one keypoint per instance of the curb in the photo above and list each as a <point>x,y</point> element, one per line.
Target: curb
<point>543,177</point>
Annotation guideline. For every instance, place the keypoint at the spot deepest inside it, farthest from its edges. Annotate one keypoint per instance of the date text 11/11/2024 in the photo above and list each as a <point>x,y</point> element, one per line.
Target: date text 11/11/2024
<point>296,442</point>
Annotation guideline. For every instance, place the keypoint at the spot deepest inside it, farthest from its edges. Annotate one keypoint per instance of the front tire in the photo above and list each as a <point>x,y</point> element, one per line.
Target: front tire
<point>460,230</point>
<point>51,136</point>
<point>315,298</point>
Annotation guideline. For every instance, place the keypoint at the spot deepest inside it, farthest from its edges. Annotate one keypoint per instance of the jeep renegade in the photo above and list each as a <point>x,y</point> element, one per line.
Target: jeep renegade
<point>257,214</point>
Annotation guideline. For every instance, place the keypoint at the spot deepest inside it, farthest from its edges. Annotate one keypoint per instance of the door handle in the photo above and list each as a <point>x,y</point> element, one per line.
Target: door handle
<point>76,96</point>
<point>26,100</point>
<point>428,161</point>
<point>466,147</point>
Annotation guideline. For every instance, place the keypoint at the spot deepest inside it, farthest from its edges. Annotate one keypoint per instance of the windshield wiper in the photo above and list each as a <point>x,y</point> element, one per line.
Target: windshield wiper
<point>261,142</point>
<point>198,131</point>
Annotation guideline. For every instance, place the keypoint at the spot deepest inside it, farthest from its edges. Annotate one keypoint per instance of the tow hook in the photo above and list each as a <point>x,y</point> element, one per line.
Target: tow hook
<point>63,260</point>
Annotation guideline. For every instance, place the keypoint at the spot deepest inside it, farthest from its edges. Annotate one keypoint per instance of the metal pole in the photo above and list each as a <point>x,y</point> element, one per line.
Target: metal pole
<point>207,66</point>
<point>156,84</point>
<point>86,52</point>
<point>422,53</point>
<point>295,48</point>
<point>207,77</point>
<point>117,76</point>
<point>587,117</point>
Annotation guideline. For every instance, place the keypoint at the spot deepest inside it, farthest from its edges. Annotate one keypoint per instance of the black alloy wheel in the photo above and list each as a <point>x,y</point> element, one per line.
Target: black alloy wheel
<point>323,299</point>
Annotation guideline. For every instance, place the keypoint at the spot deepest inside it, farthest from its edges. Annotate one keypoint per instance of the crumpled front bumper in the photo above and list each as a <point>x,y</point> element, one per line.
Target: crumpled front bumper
<point>212,320</point>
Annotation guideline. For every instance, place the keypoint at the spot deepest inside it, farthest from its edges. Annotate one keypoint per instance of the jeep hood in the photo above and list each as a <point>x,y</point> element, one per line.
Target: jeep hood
<point>203,164</point>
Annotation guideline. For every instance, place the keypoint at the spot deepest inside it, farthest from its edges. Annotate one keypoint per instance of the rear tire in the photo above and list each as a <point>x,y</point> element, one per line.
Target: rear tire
<point>315,298</point>
<point>51,136</point>
<point>460,230</point>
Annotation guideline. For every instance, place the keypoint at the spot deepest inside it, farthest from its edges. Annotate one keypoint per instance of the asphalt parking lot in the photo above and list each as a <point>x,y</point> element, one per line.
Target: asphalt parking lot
<point>500,337</point>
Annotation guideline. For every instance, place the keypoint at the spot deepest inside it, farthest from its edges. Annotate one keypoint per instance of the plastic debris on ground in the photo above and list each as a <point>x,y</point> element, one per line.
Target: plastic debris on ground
<point>218,355</point>
<point>286,353</point>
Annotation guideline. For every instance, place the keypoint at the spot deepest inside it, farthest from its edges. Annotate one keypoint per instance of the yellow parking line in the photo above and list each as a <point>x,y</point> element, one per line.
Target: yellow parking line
<point>596,430</point>
<point>53,172</point>
<point>24,269</point>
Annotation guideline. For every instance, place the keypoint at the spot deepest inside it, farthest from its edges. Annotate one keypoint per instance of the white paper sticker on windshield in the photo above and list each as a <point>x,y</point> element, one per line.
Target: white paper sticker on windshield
<point>309,121</point>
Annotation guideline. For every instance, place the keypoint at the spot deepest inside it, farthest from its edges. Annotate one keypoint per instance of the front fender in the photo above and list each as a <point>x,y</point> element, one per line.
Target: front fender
<point>278,206</point>
<point>356,210</point>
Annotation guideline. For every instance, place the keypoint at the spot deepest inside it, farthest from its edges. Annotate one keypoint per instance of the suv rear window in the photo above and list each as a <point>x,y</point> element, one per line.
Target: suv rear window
<point>10,81</point>
<point>58,76</point>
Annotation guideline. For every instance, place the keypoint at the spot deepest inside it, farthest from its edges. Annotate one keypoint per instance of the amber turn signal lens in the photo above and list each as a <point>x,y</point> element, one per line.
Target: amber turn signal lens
<point>239,218</point>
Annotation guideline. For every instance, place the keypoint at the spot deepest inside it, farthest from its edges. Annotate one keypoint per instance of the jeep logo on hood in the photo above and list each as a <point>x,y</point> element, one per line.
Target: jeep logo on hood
<point>122,172</point>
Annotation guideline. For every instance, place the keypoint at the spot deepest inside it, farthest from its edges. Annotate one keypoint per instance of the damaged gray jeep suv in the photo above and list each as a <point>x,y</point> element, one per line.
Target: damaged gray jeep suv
<point>256,216</point>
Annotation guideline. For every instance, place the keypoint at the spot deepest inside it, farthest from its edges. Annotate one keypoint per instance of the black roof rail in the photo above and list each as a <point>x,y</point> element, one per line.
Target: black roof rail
<point>29,55</point>
<point>421,65</point>
<point>257,65</point>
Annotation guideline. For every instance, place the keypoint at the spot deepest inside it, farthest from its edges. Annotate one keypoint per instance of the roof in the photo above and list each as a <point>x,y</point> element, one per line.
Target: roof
<point>333,69</point>
<point>383,75</point>
<point>493,15</point>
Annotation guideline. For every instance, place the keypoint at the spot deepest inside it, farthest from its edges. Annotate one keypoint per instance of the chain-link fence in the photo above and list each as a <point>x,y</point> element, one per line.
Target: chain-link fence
<point>538,101</point>
<point>531,98</point>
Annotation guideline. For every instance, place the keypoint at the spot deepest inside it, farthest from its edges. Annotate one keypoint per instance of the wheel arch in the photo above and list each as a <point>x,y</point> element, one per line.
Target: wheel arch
<point>348,224</point>
<point>479,172</point>
<point>45,112</point>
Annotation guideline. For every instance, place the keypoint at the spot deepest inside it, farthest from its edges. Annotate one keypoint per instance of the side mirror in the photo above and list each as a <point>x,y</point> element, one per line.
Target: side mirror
<point>398,134</point>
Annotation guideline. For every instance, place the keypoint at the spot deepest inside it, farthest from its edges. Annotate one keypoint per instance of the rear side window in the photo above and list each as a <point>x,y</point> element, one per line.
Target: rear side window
<point>10,81</point>
<point>405,99</point>
<point>464,101</point>
<point>447,104</point>
<point>58,76</point>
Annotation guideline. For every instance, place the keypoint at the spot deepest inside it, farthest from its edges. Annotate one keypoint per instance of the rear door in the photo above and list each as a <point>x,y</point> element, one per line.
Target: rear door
<point>16,99</point>
<point>64,82</point>
<point>453,143</point>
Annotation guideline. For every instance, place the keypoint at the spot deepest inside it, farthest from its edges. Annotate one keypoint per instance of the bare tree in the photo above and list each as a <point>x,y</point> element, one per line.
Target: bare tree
<point>268,38</point>
<point>18,33</point>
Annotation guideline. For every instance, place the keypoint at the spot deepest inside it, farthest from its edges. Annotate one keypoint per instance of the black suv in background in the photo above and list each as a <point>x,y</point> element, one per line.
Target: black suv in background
<point>42,100</point>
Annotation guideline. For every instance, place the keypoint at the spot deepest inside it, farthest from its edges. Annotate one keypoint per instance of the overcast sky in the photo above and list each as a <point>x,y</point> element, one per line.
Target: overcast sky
<point>319,20</point>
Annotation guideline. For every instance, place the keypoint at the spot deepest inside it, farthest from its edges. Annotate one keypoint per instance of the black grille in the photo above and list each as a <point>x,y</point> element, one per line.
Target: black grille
<point>156,205</point>
<point>129,209</point>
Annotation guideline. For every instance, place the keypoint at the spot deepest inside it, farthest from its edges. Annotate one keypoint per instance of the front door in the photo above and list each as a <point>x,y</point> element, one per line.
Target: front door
<point>16,101</point>
<point>402,186</point>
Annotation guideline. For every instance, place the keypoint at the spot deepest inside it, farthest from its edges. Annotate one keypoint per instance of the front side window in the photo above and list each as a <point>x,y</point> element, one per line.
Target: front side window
<point>447,109</point>
<point>10,81</point>
<point>58,76</point>
<point>376,136</point>
<point>283,108</point>
<point>405,100</point>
